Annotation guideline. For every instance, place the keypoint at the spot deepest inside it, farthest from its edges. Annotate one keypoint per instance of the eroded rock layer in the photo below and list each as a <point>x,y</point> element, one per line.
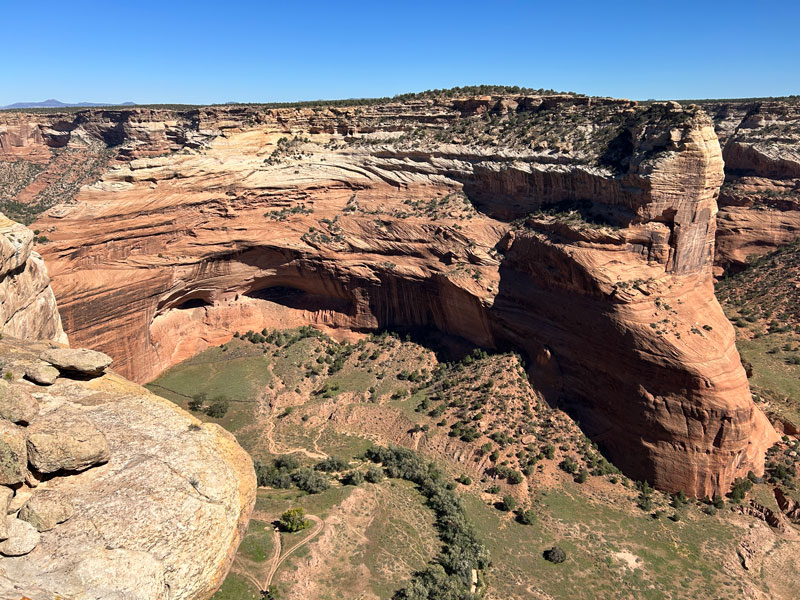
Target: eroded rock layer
<point>578,230</point>
<point>27,304</point>
<point>760,200</point>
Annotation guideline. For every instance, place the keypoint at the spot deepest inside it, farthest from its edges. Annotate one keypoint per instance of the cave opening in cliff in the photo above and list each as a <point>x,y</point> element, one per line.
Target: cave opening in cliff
<point>296,298</point>
<point>193,303</point>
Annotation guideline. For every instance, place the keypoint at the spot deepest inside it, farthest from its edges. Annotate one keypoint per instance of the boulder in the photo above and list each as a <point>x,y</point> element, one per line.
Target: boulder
<point>46,509</point>
<point>65,440</point>
<point>13,455</point>
<point>77,360</point>
<point>6,494</point>
<point>16,404</point>
<point>21,496</point>
<point>42,373</point>
<point>22,538</point>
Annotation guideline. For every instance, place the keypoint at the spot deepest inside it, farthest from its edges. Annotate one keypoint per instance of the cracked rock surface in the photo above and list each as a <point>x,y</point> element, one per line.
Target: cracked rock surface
<point>113,492</point>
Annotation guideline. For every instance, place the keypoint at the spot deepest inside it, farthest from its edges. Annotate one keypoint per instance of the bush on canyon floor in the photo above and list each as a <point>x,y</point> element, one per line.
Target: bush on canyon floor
<point>555,555</point>
<point>740,487</point>
<point>310,481</point>
<point>433,583</point>
<point>353,478</point>
<point>293,520</point>
<point>374,474</point>
<point>508,503</point>
<point>645,500</point>
<point>215,408</point>
<point>278,473</point>
<point>332,465</point>
<point>526,516</point>
<point>218,408</point>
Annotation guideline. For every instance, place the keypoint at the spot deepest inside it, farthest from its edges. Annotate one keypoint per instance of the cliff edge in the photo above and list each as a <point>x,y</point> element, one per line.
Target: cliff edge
<point>107,490</point>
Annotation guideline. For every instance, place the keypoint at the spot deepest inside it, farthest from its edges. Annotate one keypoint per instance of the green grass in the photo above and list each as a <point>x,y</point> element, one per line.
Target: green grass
<point>257,544</point>
<point>774,371</point>
<point>237,587</point>
<point>677,560</point>
<point>273,502</point>
<point>237,374</point>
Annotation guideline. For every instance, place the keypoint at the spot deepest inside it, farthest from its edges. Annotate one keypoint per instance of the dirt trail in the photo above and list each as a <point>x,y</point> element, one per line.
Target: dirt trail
<point>278,558</point>
<point>273,448</point>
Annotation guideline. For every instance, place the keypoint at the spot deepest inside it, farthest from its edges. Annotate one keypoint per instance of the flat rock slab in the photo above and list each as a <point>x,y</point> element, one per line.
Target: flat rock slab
<point>42,373</point>
<point>65,440</point>
<point>77,360</point>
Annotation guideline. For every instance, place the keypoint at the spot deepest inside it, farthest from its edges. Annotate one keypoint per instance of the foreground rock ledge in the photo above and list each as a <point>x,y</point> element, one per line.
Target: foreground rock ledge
<point>162,519</point>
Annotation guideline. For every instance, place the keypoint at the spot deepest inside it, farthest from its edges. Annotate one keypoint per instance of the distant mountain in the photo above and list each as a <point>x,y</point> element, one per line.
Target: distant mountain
<point>53,103</point>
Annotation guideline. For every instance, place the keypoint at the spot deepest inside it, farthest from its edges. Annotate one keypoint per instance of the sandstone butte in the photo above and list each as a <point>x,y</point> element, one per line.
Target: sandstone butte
<point>120,492</point>
<point>579,231</point>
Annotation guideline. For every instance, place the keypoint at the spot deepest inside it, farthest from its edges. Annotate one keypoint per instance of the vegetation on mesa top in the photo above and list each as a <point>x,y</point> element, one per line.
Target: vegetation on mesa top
<point>454,92</point>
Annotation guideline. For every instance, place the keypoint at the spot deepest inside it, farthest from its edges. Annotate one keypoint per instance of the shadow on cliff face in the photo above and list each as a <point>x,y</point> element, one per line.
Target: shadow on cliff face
<point>299,299</point>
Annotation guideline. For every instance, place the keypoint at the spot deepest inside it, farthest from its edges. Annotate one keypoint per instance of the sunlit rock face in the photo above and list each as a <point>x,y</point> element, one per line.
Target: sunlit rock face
<point>580,231</point>
<point>760,200</point>
<point>105,488</point>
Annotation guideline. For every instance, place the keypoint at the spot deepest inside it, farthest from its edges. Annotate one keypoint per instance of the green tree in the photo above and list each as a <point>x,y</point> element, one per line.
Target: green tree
<point>555,555</point>
<point>508,503</point>
<point>218,407</point>
<point>293,520</point>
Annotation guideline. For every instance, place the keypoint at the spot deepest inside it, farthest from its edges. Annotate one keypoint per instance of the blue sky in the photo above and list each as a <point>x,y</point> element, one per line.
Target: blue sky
<point>206,52</point>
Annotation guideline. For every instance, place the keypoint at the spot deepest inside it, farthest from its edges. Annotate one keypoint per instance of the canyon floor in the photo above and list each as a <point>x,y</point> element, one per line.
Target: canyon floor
<point>300,393</point>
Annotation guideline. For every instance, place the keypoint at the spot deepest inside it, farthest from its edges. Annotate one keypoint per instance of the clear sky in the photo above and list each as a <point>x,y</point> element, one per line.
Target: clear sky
<point>171,51</point>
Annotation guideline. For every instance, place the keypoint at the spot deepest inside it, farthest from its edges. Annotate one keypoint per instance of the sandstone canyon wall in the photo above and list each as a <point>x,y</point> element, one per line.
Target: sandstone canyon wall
<point>579,230</point>
<point>106,490</point>
<point>760,200</point>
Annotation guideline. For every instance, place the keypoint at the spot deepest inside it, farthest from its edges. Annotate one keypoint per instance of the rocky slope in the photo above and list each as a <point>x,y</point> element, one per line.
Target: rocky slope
<point>578,230</point>
<point>760,200</point>
<point>107,490</point>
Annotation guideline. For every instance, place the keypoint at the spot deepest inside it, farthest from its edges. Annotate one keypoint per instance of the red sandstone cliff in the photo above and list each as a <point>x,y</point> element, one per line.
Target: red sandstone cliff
<point>578,230</point>
<point>760,201</point>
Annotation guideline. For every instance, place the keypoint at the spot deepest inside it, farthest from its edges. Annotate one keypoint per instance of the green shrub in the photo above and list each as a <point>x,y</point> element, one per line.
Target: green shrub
<point>741,486</point>
<point>310,481</point>
<point>218,408</point>
<point>569,465</point>
<point>508,503</point>
<point>332,465</point>
<point>374,474</point>
<point>353,478</point>
<point>526,517</point>
<point>555,555</point>
<point>293,520</point>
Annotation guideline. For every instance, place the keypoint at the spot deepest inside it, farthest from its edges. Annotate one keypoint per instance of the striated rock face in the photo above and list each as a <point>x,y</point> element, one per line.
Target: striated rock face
<point>27,304</point>
<point>577,230</point>
<point>760,201</point>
